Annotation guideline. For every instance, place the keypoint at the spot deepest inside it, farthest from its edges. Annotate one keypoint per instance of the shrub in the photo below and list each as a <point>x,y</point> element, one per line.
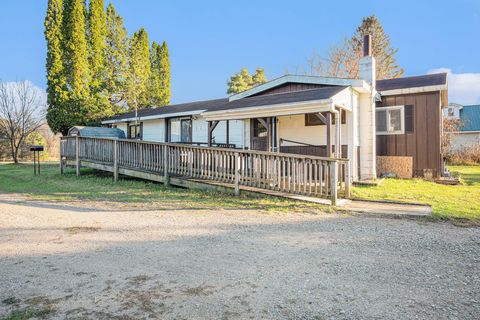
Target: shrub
<point>464,156</point>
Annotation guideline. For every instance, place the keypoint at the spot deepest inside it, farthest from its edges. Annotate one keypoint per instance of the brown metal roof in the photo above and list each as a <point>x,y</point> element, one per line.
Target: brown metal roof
<point>412,82</point>
<point>225,104</point>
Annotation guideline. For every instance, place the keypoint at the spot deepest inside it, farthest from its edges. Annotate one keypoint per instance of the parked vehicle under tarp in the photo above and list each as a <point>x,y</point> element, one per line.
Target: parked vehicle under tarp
<point>96,132</point>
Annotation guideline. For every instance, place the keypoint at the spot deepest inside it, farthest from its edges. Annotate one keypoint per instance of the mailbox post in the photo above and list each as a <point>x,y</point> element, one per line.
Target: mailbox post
<point>36,158</point>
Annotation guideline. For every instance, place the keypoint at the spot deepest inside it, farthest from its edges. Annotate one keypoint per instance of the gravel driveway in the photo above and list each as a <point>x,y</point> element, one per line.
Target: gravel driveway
<point>76,262</point>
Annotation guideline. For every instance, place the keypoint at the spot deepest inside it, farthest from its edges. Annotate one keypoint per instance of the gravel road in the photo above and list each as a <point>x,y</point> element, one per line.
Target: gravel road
<point>81,262</point>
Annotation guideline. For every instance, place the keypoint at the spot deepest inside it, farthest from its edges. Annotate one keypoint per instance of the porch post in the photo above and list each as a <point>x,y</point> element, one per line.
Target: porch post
<point>338,125</point>
<point>211,126</point>
<point>209,138</point>
<point>269,134</point>
<point>228,132</point>
<point>329,135</point>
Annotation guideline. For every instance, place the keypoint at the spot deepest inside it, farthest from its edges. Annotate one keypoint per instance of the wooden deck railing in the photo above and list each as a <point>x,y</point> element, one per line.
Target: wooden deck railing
<point>288,173</point>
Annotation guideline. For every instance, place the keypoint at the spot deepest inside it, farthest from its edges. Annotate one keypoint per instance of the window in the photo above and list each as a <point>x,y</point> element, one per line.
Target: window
<point>181,130</point>
<point>390,120</point>
<point>312,120</point>
<point>135,131</point>
<point>451,112</point>
<point>259,130</point>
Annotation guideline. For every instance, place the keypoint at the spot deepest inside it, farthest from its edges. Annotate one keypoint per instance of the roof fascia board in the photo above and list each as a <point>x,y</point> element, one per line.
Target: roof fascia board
<point>413,90</point>
<point>272,110</point>
<point>360,85</point>
<point>153,117</point>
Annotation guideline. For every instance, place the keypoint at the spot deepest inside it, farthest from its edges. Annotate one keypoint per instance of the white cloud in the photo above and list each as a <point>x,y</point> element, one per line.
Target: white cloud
<point>463,88</point>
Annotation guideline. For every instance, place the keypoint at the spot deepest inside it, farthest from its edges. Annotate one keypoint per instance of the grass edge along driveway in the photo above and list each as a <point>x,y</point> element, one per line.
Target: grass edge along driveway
<point>134,193</point>
<point>457,202</point>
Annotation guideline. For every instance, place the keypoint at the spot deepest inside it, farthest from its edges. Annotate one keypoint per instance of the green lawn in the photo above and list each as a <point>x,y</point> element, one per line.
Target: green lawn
<point>96,185</point>
<point>461,201</point>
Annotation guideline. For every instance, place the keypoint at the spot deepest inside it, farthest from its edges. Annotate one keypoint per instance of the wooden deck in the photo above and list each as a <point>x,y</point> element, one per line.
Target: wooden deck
<point>194,166</point>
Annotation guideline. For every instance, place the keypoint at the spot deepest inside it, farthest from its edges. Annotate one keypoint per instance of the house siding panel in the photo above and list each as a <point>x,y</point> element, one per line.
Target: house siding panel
<point>423,144</point>
<point>289,87</point>
<point>154,130</point>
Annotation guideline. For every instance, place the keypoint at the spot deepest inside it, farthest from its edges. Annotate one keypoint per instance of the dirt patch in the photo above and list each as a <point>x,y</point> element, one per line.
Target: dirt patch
<point>77,230</point>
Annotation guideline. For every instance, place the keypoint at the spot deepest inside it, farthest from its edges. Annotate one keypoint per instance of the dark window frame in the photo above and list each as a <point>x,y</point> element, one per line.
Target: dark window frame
<point>180,120</point>
<point>312,120</point>
<point>138,131</point>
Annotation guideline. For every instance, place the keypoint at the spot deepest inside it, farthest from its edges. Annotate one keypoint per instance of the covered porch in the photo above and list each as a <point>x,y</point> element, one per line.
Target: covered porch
<point>323,128</point>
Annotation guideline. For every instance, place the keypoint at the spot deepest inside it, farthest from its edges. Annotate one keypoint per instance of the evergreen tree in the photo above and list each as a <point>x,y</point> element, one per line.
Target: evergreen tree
<point>75,52</point>
<point>96,44</point>
<point>259,77</point>
<point>56,87</point>
<point>342,60</point>
<point>139,70</point>
<point>382,49</point>
<point>243,80</point>
<point>164,59</point>
<point>116,59</point>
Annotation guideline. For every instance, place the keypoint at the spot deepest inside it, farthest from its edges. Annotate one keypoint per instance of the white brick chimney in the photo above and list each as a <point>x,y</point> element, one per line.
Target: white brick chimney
<point>367,124</point>
<point>366,66</point>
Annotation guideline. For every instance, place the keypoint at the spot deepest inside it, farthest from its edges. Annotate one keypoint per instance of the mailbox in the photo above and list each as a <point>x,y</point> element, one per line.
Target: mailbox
<point>36,148</point>
<point>36,158</point>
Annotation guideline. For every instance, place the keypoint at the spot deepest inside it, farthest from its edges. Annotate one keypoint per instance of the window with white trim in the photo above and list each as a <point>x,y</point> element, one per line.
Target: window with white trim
<point>390,120</point>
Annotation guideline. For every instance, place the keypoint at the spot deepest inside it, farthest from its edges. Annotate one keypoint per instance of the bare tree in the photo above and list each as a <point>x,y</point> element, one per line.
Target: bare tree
<point>21,113</point>
<point>451,127</point>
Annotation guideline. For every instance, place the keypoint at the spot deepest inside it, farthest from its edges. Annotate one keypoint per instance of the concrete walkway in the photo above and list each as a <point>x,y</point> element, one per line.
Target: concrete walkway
<point>386,208</point>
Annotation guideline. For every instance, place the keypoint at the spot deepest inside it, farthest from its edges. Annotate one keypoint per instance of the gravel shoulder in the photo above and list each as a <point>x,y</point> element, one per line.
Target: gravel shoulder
<point>81,261</point>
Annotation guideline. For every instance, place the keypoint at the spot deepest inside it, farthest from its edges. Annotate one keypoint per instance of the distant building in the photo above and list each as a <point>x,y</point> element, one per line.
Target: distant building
<point>469,119</point>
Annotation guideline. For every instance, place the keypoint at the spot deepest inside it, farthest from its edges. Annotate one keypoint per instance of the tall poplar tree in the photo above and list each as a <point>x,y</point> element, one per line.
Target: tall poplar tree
<point>77,71</point>
<point>116,60</point>
<point>139,70</point>
<point>154,85</point>
<point>159,83</point>
<point>165,81</point>
<point>96,34</point>
<point>56,86</point>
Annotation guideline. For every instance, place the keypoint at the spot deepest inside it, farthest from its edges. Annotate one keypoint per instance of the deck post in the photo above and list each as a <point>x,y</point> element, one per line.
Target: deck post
<point>77,155</point>
<point>61,156</point>
<point>165,166</point>
<point>115,160</point>
<point>333,182</point>
<point>347,179</point>
<point>237,173</point>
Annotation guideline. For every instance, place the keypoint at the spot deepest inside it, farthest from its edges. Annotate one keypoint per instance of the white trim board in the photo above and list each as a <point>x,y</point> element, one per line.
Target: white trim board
<point>413,90</point>
<point>153,117</point>
<point>359,85</point>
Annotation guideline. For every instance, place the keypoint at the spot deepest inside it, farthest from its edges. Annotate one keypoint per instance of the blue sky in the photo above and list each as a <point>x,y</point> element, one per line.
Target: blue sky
<point>210,40</point>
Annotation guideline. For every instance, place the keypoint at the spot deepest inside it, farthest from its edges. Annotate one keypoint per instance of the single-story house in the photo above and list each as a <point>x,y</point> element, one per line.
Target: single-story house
<point>358,119</point>
<point>468,118</point>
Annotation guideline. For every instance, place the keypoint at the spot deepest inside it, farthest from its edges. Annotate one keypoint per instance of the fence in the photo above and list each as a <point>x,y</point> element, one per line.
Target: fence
<point>287,173</point>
